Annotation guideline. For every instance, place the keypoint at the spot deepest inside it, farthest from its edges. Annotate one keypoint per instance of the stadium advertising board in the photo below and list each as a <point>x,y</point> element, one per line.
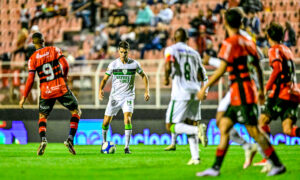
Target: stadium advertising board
<point>90,133</point>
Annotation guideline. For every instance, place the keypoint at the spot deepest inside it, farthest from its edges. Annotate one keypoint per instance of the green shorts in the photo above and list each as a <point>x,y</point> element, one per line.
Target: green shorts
<point>281,108</point>
<point>68,100</point>
<point>245,114</point>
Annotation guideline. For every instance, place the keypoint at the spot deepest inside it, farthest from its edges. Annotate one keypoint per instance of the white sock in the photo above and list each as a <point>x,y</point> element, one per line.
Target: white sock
<point>104,132</point>
<point>174,137</point>
<point>127,137</point>
<point>235,136</point>
<point>194,146</point>
<point>181,128</point>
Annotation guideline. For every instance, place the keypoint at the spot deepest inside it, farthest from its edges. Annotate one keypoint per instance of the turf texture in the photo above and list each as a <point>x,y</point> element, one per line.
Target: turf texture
<point>145,162</point>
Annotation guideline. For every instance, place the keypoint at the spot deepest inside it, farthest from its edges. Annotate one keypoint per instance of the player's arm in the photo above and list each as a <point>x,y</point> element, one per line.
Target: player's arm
<point>277,69</point>
<point>29,84</point>
<point>259,73</point>
<point>214,78</point>
<point>65,66</point>
<point>168,61</point>
<point>146,82</point>
<point>102,85</point>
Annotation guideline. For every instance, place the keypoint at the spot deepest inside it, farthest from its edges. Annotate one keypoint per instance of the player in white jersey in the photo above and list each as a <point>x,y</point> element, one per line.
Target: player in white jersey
<point>184,65</point>
<point>122,94</point>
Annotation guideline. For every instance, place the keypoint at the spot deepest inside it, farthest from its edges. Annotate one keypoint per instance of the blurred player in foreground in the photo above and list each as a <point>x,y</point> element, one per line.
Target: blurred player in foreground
<point>52,69</point>
<point>122,94</point>
<point>184,65</point>
<point>243,105</point>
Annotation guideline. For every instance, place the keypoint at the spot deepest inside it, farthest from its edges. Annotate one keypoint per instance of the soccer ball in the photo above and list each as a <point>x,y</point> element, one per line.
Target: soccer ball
<point>108,148</point>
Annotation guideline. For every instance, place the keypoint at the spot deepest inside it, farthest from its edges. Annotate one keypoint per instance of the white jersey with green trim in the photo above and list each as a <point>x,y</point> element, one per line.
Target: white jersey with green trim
<point>186,65</point>
<point>123,78</point>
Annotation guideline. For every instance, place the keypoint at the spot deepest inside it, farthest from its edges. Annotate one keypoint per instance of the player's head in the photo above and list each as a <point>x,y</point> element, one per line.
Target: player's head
<point>181,35</point>
<point>275,32</point>
<point>233,18</point>
<point>123,50</point>
<point>38,39</point>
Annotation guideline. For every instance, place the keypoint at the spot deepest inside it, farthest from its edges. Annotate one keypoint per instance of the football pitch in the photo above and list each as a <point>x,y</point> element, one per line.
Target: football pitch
<point>145,162</point>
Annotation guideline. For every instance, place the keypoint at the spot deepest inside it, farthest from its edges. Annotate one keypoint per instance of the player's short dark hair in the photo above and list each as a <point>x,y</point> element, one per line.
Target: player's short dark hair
<point>182,34</point>
<point>233,18</point>
<point>275,32</point>
<point>37,35</point>
<point>124,45</point>
<point>37,38</point>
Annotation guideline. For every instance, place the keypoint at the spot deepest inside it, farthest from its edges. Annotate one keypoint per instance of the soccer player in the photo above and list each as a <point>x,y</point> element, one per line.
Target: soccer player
<point>243,93</point>
<point>283,98</point>
<point>52,69</point>
<point>184,65</point>
<point>122,95</point>
<point>250,149</point>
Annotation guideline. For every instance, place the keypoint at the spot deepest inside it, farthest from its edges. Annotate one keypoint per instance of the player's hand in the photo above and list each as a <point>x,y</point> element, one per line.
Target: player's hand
<point>166,82</point>
<point>147,96</point>
<point>101,95</point>
<point>22,101</point>
<point>201,95</point>
<point>261,97</point>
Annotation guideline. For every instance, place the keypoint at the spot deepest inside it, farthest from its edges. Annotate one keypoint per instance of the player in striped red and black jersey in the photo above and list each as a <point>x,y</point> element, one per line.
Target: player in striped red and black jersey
<point>52,69</point>
<point>284,97</point>
<point>243,92</point>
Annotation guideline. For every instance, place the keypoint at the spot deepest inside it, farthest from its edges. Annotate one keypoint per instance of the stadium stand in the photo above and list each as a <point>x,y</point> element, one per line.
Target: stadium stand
<point>67,28</point>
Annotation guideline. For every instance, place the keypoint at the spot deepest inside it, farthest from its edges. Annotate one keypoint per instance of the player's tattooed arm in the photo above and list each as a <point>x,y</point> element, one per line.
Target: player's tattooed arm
<point>167,73</point>
<point>102,85</point>
<point>146,82</point>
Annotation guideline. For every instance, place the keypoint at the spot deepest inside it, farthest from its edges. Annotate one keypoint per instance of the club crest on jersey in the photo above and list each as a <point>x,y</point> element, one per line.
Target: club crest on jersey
<point>124,71</point>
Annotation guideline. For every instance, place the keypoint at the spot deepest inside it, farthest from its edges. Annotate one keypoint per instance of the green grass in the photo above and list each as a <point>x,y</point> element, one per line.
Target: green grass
<point>145,162</point>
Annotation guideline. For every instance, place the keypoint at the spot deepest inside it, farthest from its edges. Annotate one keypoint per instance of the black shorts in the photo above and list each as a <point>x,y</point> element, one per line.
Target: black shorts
<point>284,109</point>
<point>244,114</point>
<point>68,100</point>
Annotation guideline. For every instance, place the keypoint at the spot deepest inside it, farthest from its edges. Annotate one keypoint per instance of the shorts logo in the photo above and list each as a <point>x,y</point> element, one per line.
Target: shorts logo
<point>66,104</point>
<point>124,71</point>
<point>114,102</point>
<point>44,107</point>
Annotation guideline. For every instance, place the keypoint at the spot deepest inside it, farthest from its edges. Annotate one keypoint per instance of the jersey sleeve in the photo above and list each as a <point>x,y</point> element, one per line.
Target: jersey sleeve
<point>58,53</point>
<point>109,70</point>
<point>169,55</point>
<point>226,52</point>
<point>31,65</point>
<point>139,68</point>
<point>274,55</point>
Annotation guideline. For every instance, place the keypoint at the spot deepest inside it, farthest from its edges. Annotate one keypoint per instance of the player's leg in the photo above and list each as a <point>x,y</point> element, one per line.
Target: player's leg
<point>169,119</point>
<point>269,151</point>
<point>112,108</point>
<point>250,149</point>
<point>172,146</point>
<point>202,126</point>
<point>105,125</point>
<point>128,130</point>
<point>42,132</point>
<point>127,107</point>
<point>45,107</point>
<point>69,101</point>
<point>225,125</point>
<point>194,144</point>
<point>290,117</point>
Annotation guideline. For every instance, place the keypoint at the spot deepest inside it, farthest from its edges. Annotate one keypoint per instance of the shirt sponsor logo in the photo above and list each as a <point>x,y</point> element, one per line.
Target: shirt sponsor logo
<point>38,56</point>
